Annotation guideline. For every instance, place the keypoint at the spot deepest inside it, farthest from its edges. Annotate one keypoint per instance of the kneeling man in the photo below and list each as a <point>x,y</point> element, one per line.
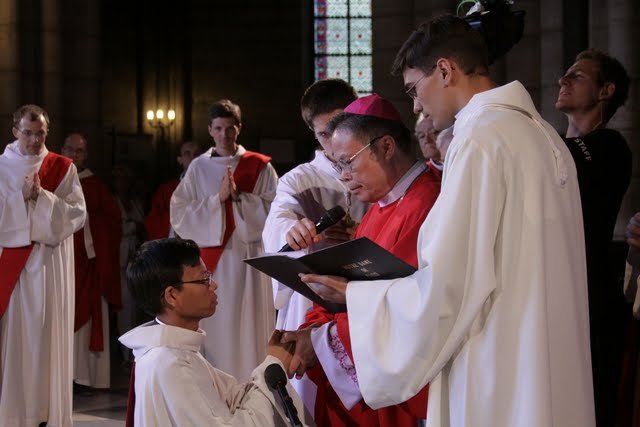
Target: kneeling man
<point>174,383</point>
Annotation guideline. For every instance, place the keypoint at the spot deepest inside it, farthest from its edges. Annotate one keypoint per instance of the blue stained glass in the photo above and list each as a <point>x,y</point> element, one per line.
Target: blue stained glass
<point>338,67</point>
<point>321,36</point>
<point>360,74</point>
<point>337,8</point>
<point>321,68</point>
<point>343,42</point>
<point>320,8</point>
<point>332,36</point>
<point>360,7</point>
<point>360,35</point>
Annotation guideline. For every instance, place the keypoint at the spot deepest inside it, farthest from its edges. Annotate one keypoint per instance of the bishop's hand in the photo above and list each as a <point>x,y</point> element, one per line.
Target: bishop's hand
<point>304,356</point>
<point>330,288</point>
<point>283,351</point>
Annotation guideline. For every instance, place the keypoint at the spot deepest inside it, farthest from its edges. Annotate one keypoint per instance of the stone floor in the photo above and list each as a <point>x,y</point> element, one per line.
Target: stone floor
<point>103,408</point>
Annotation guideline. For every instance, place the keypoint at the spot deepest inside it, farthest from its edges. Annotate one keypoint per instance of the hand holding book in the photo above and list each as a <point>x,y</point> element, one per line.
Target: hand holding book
<point>359,259</point>
<point>329,288</point>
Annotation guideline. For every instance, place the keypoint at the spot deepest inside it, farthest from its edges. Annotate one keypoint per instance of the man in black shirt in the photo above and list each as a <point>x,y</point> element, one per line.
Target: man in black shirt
<point>591,91</point>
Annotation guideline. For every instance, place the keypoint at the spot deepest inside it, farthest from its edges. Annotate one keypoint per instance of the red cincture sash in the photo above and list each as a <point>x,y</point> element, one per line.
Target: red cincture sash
<point>12,260</point>
<point>245,177</point>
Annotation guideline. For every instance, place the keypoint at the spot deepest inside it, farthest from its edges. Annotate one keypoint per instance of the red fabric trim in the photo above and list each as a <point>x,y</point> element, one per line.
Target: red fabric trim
<point>245,177</point>
<point>157,222</point>
<point>12,260</point>
<point>100,275</point>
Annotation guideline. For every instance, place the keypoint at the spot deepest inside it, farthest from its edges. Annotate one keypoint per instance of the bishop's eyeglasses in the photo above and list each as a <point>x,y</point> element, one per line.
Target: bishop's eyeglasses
<point>345,165</point>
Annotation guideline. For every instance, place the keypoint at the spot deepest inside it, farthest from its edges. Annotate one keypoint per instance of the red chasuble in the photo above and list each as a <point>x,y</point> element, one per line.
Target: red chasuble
<point>395,227</point>
<point>245,177</point>
<point>52,171</point>
<point>157,222</point>
<point>100,275</point>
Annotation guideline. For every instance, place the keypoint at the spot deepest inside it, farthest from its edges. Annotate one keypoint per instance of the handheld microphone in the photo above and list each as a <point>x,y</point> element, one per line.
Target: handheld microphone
<point>330,217</point>
<point>276,379</point>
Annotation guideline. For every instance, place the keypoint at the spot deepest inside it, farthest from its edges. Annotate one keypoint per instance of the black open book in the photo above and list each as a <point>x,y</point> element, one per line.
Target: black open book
<point>359,259</point>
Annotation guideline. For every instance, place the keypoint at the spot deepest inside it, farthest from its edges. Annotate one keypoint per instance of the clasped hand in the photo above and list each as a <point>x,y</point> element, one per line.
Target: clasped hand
<point>294,349</point>
<point>228,187</point>
<point>31,187</point>
<point>330,288</point>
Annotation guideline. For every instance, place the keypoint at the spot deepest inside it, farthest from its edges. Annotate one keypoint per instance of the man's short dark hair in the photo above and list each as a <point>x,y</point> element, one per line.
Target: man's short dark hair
<point>369,127</point>
<point>157,265</point>
<point>610,70</point>
<point>31,112</point>
<point>325,96</point>
<point>225,108</point>
<point>445,36</point>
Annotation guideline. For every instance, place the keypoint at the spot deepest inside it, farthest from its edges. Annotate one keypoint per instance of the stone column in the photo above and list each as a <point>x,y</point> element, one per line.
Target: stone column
<point>9,71</point>
<point>551,61</point>
<point>50,72</point>
<point>622,36</point>
<point>393,22</point>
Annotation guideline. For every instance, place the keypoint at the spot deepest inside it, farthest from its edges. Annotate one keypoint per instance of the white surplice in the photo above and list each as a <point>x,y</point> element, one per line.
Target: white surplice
<point>176,386</point>
<point>36,331</point>
<point>238,333</point>
<point>496,317</point>
<point>307,191</point>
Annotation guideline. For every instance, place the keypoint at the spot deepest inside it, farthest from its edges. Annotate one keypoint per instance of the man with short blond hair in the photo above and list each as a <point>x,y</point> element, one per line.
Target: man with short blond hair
<point>41,206</point>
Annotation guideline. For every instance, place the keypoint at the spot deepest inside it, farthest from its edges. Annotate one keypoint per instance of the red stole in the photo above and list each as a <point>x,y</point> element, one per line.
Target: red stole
<point>157,223</point>
<point>100,275</point>
<point>12,261</point>
<point>245,177</point>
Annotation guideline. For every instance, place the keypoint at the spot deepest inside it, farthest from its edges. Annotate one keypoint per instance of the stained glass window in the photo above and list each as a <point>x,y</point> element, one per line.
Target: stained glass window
<point>342,43</point>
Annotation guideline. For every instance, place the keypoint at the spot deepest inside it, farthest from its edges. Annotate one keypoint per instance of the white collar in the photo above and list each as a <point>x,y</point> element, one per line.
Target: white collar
<point>403,184</point>
<point>86,173</point>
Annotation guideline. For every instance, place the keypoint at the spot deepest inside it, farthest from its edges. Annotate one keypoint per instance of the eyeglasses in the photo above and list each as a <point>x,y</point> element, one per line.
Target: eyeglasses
<point>412,91</point>
<point>341,166</point>
<point>207,281</point>
<point>29,133</point>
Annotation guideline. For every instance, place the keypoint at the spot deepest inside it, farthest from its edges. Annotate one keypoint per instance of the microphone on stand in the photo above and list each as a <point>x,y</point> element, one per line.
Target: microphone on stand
<point>276,379</point>
<point>329,218</point>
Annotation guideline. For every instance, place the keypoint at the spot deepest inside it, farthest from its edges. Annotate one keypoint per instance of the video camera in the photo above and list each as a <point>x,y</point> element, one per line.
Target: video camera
<point>501,27</point>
